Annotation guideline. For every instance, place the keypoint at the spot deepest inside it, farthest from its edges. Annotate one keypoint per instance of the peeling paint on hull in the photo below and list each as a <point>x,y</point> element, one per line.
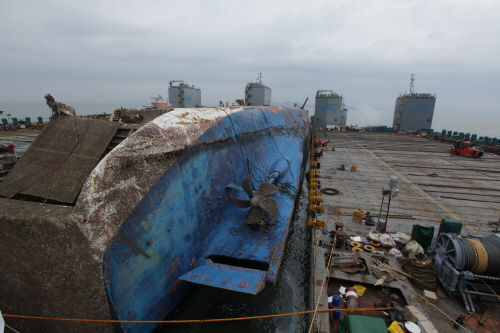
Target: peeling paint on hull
<point>187,216</point>
<point>156,207</point>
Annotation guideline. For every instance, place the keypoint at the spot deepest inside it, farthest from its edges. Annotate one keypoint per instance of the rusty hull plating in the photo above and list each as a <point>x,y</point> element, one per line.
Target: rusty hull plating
<point>152,214</point>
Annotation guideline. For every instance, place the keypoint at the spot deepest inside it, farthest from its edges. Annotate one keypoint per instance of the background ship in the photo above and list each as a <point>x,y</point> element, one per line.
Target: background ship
<point>157,102</point>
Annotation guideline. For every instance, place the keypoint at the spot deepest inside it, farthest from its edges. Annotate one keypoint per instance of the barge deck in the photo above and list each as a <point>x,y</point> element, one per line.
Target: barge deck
<point>465,189</point>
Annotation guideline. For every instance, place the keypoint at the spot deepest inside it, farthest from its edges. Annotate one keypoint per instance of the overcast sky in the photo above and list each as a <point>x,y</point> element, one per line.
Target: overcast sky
<point>365,50</point>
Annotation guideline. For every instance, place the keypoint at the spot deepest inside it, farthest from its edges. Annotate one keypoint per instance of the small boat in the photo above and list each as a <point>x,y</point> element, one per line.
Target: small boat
<point>159,103</point>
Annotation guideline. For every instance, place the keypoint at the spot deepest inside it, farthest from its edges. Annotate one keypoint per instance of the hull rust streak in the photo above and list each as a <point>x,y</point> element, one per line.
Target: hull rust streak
<point>155,213</point>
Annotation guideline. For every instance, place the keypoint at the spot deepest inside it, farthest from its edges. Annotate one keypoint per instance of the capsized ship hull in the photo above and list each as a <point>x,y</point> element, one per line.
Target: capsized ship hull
<point>156,213</point>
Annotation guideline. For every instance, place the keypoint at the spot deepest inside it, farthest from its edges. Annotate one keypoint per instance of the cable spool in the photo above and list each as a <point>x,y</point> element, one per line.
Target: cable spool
<point>481,262</point>
<point>466,254</point>
<point>493,258</point>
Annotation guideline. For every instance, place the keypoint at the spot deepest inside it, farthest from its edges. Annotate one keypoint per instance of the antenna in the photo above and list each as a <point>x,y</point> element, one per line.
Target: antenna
<point>260,76</point>
<point>412,78</point>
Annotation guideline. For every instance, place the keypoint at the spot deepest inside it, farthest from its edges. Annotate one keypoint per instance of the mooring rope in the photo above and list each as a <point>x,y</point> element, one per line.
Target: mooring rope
<point>193,320</point>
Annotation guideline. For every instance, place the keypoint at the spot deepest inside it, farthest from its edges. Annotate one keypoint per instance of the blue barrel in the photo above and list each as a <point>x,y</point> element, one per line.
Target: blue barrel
<point>40,120</point>
<point>5,121</point>
<point>336,314</point>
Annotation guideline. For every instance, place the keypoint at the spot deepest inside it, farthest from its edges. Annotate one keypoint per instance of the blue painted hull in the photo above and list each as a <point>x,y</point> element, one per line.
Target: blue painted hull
<point>188,217</point>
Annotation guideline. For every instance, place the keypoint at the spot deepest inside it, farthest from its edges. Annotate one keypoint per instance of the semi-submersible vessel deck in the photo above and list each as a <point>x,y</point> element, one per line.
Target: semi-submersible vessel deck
<point>62,262</point>
<point>433,185</point>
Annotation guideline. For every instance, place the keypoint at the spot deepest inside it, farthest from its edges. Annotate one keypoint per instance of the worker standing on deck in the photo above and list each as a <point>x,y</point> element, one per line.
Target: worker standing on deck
<point>11,147</point>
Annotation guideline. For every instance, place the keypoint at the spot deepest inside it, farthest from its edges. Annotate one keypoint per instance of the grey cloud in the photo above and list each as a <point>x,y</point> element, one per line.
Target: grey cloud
<point>115,50</point>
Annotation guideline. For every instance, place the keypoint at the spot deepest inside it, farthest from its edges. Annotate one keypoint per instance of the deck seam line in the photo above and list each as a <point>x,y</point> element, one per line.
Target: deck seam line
<point>414,186</point>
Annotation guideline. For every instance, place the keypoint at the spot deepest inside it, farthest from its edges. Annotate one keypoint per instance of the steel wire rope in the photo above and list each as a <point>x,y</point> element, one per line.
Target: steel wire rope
<point>248,161</point>
<point>272,139</point>
<point>264,174</point>
<point>493,257</point>
<point>481,257</point>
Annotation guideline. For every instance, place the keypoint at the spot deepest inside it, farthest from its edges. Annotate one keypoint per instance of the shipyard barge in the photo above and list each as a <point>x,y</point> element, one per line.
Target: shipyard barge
<point>433,185</point>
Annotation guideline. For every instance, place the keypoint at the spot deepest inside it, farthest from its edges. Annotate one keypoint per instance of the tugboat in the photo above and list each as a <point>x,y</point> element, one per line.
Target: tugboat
<point>159,103</point>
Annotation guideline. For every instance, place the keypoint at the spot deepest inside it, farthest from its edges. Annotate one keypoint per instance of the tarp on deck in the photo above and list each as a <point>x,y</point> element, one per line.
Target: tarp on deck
<point>422,235</point>
<point>362,324</point>
<point>450,226</point>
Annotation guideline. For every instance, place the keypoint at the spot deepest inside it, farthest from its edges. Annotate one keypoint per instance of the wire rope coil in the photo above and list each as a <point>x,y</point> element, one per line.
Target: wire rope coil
<point>358,215</point>
<point>481,262</point>
<point>478,256</point>
<point>422,271</point>
<point>493,258</point>
<point>355,244</point>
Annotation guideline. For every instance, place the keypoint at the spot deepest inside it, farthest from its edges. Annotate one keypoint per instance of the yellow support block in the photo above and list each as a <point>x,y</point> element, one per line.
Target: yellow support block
<point>313,222</point>
<point>315,173</point>
<point>314,192</point>
<point>315,208</point>
<point>315,199</point>
<point>315,181</point>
